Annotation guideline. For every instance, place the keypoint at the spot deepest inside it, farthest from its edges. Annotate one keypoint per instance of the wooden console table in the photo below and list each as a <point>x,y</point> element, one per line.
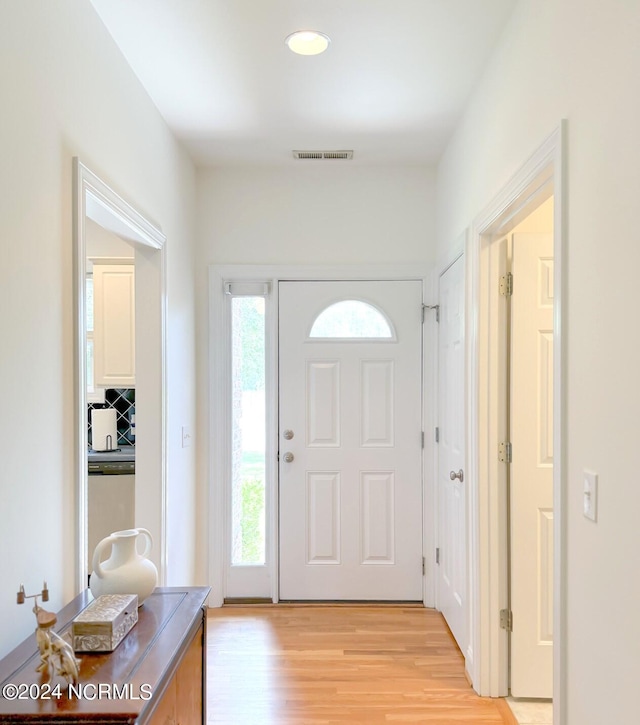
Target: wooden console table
<point>162,663</point>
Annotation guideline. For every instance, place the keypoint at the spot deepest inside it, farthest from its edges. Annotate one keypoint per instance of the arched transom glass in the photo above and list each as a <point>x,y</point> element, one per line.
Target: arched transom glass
<point>352,319</point>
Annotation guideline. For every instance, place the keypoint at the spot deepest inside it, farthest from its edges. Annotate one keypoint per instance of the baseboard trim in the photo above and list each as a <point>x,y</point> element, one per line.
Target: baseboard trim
<point>234,601</point>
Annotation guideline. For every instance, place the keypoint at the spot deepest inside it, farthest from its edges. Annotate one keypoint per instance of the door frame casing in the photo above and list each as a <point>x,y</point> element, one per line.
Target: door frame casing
<point>542,175</point>
<point>219,463</point>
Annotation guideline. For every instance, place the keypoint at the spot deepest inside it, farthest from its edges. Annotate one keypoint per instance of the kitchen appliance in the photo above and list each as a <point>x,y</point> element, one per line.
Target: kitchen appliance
<point>111,494</point>
<point>104,430</point>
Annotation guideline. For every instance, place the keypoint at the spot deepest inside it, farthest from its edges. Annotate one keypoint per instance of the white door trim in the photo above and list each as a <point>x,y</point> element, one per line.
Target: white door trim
<point>219,463</point>
<point>543,174</point>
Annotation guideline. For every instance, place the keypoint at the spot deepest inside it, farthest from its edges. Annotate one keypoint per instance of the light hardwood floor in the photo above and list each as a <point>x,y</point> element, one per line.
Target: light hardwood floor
<point>319,665</point>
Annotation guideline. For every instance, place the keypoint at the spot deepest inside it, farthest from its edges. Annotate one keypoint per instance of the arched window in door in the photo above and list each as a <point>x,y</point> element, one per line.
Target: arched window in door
<point>352,319</point>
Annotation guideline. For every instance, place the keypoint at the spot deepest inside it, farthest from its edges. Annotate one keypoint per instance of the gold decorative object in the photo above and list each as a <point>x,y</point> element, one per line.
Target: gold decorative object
<point>56,654</point>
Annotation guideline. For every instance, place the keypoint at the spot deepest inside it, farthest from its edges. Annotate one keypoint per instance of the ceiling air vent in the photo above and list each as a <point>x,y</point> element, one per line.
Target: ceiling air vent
<point>323,155</point>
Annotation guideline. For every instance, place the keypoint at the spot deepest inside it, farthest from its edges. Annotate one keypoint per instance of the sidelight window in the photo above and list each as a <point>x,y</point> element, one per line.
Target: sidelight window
<point>248,431</point>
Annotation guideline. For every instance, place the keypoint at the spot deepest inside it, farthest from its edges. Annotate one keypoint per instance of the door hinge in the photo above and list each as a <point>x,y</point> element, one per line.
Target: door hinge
<point>423,439</point>
<point>505,452</point>
<point>506,285</point>
<point>437,434</point>
<point>431,307</point>
<point>424,566</point>
<point>506,619</point>
<point>438,555</point>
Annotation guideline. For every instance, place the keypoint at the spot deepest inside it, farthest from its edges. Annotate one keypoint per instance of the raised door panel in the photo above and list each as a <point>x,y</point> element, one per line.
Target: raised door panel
<point>323,517</point>
<point>377,524</point>
<point>323,403</point>
<point>377,403</point>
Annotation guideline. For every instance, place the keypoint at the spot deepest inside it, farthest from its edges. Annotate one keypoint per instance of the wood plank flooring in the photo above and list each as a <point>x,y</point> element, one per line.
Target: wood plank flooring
<point>319,665</point>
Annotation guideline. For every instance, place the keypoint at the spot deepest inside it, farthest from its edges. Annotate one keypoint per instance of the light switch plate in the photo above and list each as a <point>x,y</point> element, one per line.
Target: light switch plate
<point>186,436</point>
<point>590,495</point>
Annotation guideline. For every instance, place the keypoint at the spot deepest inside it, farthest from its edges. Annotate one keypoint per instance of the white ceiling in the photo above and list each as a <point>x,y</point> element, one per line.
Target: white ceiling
<point>391,86</point>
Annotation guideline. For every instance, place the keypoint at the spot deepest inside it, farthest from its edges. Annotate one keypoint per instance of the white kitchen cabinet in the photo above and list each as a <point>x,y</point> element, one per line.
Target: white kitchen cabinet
<point>114,333</point>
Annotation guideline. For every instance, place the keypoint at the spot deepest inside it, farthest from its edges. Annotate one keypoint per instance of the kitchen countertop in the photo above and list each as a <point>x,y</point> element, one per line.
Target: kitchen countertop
<point>121,453</point>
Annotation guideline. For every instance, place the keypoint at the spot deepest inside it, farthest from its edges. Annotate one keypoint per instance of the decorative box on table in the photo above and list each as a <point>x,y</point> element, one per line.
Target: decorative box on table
<point>102,625</point>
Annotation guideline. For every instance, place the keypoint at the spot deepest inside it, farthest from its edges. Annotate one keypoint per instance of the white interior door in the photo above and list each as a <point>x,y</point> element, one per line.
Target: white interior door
<point>452,538</point>
<point>531,472</point>
<point>350,440</point>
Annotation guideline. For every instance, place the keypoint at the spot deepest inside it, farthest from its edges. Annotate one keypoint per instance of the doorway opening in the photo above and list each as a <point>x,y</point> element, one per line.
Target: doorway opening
<point>489,417</point>
<point>111,384</point>
<point>109,229</point>
<point>235,577</point>
<point>528,299</point>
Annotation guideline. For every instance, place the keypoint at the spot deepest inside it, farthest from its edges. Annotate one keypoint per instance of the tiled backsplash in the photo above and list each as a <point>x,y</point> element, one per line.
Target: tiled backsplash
<point>124,401</point>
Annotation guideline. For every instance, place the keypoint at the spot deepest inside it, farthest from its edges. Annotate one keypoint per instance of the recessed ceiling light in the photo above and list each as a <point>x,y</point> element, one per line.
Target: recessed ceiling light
<point>307,42</point>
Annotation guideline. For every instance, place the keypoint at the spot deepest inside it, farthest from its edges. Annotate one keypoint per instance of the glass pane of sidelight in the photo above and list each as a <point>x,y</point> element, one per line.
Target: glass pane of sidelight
<point>248,431</point>
<point>351,319</point>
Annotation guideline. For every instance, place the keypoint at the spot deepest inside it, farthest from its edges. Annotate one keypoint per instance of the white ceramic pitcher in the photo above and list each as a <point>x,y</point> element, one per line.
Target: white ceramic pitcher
<point>125,571</point>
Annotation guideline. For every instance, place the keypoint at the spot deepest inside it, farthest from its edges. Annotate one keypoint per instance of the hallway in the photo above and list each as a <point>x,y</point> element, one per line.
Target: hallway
<point>318,665</point>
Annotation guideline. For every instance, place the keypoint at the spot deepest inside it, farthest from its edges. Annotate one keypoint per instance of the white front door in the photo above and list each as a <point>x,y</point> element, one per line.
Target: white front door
<point>350,440</point>
<point>531,472</point>
<point>451,489</point>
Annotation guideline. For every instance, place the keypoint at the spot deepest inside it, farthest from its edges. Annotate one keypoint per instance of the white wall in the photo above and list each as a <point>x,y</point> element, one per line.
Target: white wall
<point>306,214</point>
<point>67,91</point>
<point>578,59</point>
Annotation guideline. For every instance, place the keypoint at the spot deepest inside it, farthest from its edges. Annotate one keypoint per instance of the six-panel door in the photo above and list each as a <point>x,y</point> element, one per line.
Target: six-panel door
<point>350,486</point>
